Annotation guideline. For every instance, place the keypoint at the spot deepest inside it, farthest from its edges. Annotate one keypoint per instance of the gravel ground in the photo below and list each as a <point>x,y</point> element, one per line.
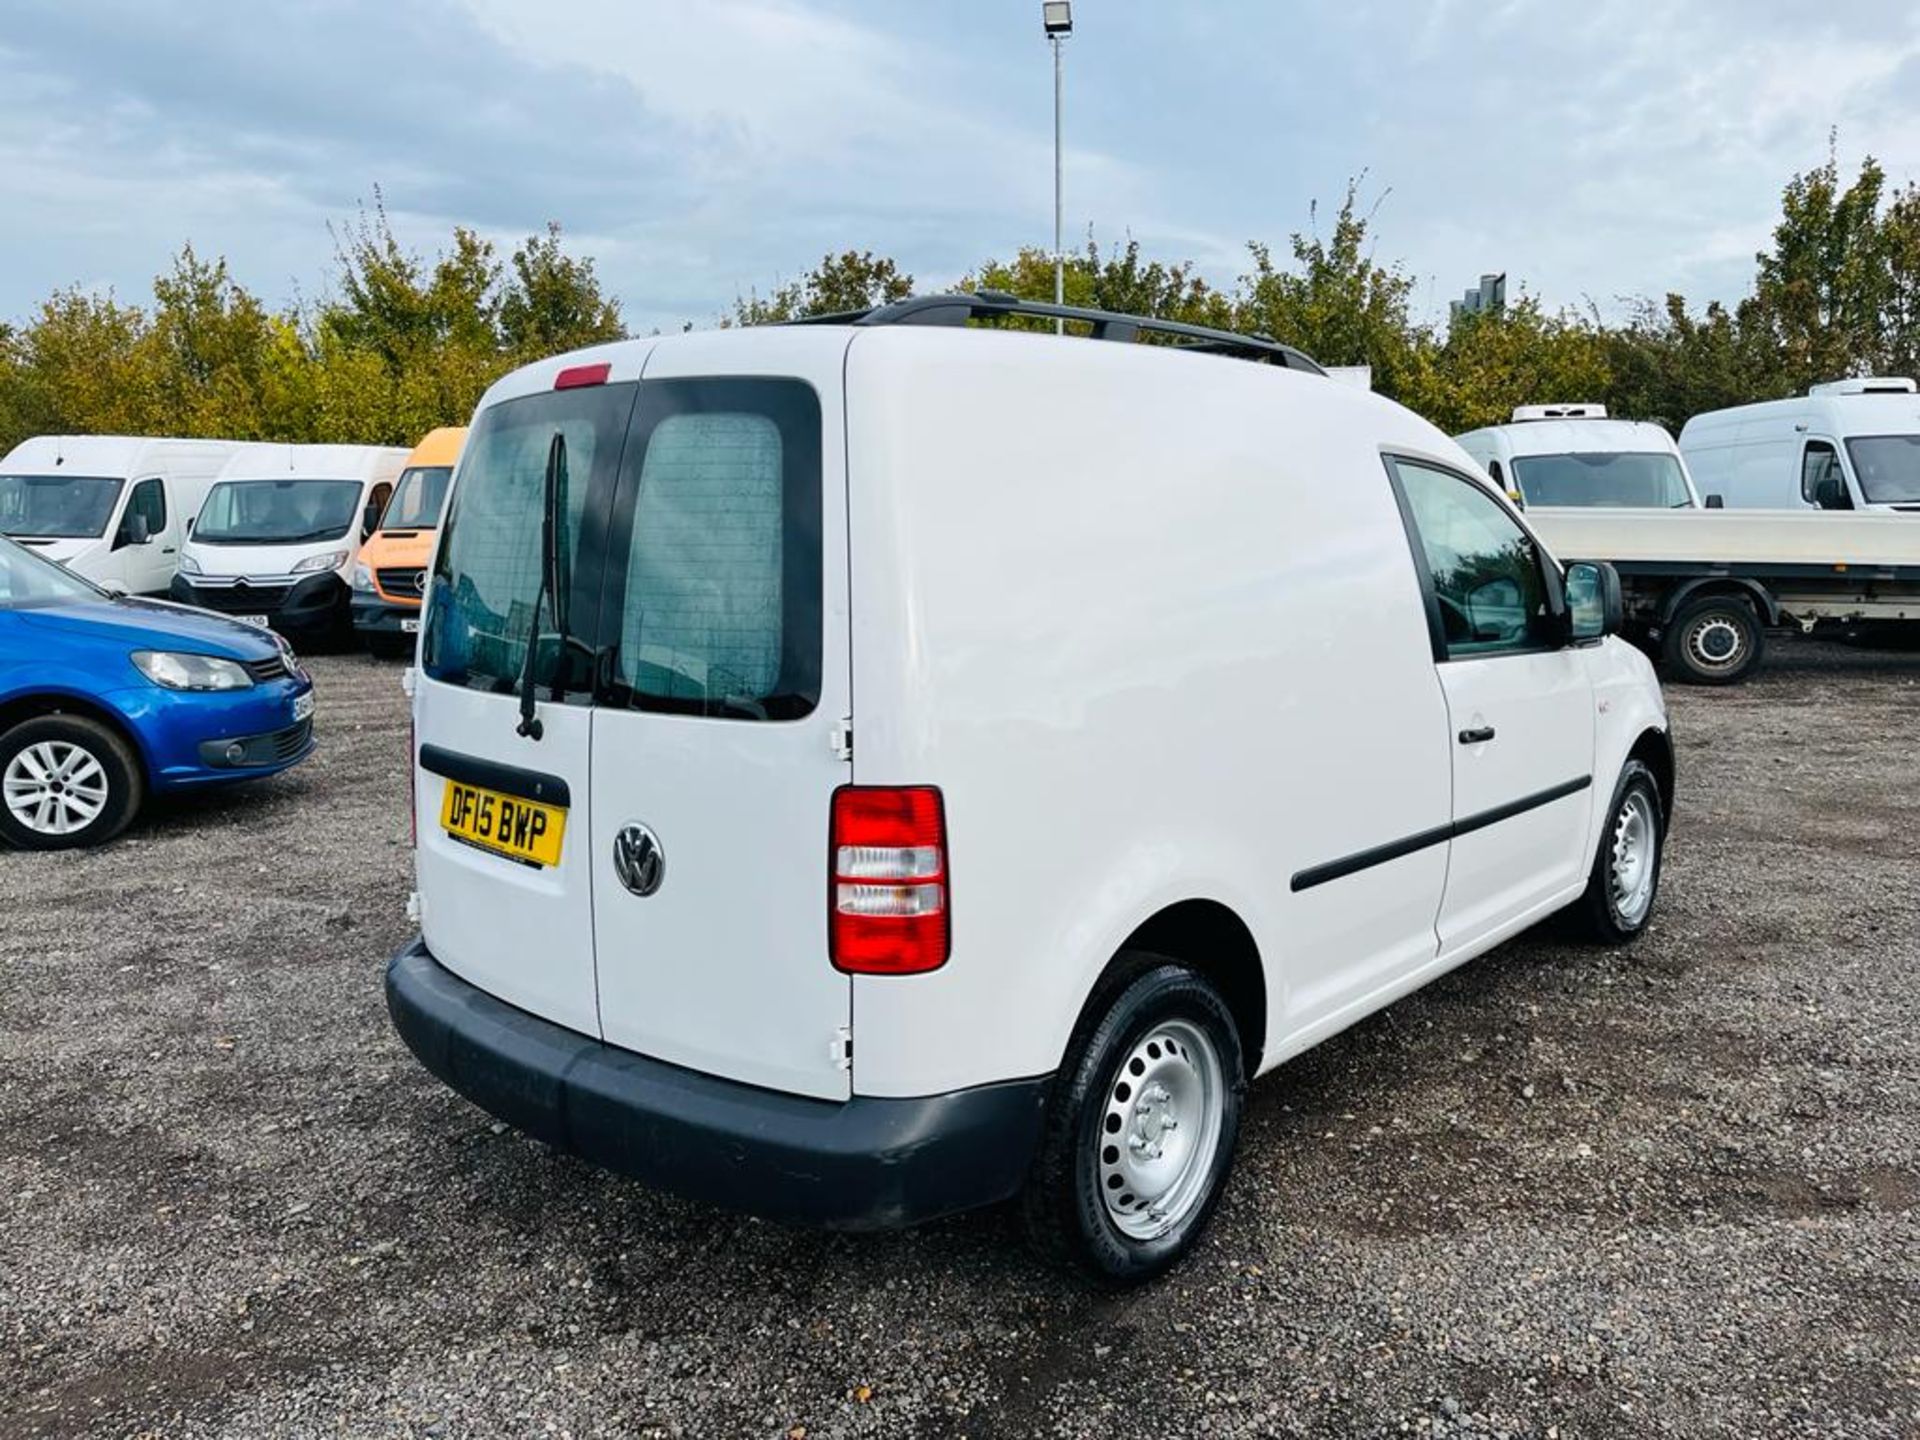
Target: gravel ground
<point>1674,1191</point>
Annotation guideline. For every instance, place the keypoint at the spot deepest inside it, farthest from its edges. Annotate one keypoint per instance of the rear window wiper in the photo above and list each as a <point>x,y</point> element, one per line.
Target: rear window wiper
<point>530,726</point>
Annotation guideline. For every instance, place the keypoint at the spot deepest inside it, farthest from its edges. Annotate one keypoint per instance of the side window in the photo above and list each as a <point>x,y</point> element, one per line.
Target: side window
<point>1822,483</point>
<point>148,501</point>
<point>720,608</point>
<point>1485,571</point>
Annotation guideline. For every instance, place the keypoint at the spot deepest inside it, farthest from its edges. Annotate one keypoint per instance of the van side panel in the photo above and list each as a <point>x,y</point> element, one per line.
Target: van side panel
<point>1151,623</point>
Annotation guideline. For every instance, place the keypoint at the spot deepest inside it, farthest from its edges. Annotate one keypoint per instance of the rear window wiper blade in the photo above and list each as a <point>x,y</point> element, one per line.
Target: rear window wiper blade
<point>530,726</point>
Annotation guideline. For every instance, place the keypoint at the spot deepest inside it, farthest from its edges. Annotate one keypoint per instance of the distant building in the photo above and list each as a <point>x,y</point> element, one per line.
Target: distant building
<point>1490,296</point>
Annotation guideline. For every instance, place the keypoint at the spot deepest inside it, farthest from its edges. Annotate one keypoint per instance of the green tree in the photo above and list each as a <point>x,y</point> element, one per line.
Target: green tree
<point>553,302</point>
<point>851,280</point>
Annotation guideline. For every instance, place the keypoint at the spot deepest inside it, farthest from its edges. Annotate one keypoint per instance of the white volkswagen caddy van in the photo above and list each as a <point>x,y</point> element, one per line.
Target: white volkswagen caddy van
<point>867,770</point>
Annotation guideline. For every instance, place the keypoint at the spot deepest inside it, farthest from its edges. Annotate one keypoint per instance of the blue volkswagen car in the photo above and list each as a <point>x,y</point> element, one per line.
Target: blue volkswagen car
<point>106,700</point>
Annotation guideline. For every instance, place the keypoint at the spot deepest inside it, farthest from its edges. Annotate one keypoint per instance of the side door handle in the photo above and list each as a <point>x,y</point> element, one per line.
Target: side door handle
<point>1479,735</point>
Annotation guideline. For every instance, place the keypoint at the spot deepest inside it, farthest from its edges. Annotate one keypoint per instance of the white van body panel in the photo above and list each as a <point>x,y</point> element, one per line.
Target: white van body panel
<point>184,469</point>
<point>1752,455</point>
<point>1150,621</point>
<point>370,465</point>
<point>1496,447</point>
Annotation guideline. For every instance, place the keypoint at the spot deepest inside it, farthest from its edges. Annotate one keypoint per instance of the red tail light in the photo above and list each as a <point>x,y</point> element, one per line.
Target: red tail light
<point>888,891</point>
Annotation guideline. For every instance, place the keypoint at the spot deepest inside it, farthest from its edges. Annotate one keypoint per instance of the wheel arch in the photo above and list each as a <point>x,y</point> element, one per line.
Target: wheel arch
<point>32,705</point>
<point>1708,586</point>
<point>1212,939</point>
<point>1654,749</point>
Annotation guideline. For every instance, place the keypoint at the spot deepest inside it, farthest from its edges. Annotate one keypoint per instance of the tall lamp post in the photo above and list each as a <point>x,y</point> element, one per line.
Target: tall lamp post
<point>1057,16</point>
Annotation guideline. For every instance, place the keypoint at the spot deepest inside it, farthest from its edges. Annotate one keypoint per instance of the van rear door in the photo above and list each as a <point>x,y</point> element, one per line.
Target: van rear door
<point>724,676</point>
<point>504,820</point>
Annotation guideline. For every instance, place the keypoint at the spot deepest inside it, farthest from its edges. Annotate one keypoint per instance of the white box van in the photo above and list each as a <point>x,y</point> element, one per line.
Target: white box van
<point>1574,456</point>
<point>113,508</point>
<point>954,761</point>
<point>1845,445</point>
<point>276,539</point>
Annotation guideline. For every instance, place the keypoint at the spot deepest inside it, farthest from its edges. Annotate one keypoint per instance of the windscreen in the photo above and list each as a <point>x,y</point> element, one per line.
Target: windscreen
<point>1887,467</point>
<point>57,507</point>
<point>28,580</point>
<point>418,498</point>
<point>277,512</point>
<point>1630,479</point>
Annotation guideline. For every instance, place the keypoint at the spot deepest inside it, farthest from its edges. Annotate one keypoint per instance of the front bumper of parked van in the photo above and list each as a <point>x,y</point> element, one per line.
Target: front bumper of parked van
<point>862,1164</point>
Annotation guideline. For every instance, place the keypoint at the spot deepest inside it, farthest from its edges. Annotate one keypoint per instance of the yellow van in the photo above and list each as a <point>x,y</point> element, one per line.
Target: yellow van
<point>392,573</point>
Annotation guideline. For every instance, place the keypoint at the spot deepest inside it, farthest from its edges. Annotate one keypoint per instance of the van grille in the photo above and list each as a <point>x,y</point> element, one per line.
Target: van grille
<point>240,599</point>
<point>403,582</point>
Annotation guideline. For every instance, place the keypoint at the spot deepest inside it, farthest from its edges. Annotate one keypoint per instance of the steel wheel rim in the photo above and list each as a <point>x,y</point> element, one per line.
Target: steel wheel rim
<point>1633,857</point>
<point>1715,642</point>
<point>1160,1130</point>
<point>55,787</point>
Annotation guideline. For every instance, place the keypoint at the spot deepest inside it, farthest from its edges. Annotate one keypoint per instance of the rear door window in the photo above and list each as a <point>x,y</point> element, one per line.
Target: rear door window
<point>486,577</point>
<point>713,599</point>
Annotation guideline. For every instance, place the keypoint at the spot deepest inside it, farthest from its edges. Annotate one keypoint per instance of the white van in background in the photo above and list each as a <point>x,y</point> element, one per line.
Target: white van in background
<point>1573,456</point>
<point>1846,445</point>
<point>276,539</point>
<point>114,508</point>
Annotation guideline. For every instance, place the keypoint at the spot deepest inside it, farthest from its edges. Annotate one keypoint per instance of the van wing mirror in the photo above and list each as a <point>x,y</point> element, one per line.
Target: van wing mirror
<point>1830,492</point>
<point>1595,608</point>
<point>369,519</point>
<point>134,530</point>
<point>1716,502</point>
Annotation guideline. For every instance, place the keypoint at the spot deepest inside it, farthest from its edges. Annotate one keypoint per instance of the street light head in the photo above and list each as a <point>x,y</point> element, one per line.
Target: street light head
<point>1057,16</point>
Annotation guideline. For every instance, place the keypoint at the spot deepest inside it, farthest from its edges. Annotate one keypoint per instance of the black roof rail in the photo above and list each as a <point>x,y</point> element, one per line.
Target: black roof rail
<point>958,309</point>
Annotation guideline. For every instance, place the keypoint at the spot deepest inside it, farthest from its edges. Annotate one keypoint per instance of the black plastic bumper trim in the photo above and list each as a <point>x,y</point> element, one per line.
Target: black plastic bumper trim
<point>493,775</point>
<point>862,1164</point>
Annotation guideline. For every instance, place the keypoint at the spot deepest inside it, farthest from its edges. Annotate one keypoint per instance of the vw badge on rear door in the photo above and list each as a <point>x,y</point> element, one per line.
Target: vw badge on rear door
<point>638,859</point>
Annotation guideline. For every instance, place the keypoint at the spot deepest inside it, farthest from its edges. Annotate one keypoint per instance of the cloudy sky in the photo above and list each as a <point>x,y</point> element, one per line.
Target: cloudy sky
<point>701,148</point>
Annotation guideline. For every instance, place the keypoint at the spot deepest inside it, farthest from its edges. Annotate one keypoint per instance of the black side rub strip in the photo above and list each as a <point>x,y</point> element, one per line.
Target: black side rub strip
<point>1394,849</point>
<point>492,775</point>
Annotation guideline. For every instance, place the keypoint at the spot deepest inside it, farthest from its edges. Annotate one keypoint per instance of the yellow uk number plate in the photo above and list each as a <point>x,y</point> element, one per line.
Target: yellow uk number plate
<point>522,830</point>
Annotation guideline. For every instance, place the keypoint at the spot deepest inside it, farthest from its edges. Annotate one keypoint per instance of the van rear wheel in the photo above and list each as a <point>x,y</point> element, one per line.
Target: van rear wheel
<point>1141,1128</point>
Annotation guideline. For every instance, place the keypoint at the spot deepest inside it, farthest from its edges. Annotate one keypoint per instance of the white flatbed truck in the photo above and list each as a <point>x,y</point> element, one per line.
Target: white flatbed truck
<point>1702,587</point>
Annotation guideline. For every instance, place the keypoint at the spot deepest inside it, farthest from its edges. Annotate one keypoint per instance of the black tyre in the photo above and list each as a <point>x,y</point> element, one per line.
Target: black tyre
<point>1625,879</point>
<point>1715,640</point>
<point>1141,1127</point>
<point>389,647</point>
<point>66,781</point>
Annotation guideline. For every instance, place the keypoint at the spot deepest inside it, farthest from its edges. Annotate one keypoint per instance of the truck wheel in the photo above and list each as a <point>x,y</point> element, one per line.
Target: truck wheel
<point>1141,1127</point>
<point>65,781</point>
<point>1625,879</point>
<point>1715,640</point>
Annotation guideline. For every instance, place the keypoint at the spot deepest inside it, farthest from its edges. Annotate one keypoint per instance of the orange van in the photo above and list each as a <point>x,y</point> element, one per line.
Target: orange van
<point>392,573</point>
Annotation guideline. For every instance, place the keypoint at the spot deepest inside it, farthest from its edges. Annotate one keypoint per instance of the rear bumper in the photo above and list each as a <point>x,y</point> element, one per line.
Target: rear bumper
<point>861,1164</point>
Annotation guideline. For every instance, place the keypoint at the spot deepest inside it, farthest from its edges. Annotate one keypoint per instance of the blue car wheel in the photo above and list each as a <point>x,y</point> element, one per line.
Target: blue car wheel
<point>65,781</point>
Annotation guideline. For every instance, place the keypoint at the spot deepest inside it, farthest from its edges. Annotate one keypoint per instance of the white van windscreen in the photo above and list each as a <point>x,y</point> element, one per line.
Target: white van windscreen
<point>1887,467</point>
<point>715,608</point>
<point>1629,479</point>
<point>57,507</point>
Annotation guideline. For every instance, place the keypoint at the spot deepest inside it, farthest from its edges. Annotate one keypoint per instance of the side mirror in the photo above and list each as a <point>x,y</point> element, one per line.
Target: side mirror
<point>1594,607</point>
<point>1830,492</point>
<point>369,520</point>
<point>134,530</point>
<point>190,520</point>
<point>1716,502</point>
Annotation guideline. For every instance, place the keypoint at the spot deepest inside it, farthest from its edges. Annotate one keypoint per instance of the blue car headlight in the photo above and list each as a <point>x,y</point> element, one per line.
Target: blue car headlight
<point>177,670</point>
